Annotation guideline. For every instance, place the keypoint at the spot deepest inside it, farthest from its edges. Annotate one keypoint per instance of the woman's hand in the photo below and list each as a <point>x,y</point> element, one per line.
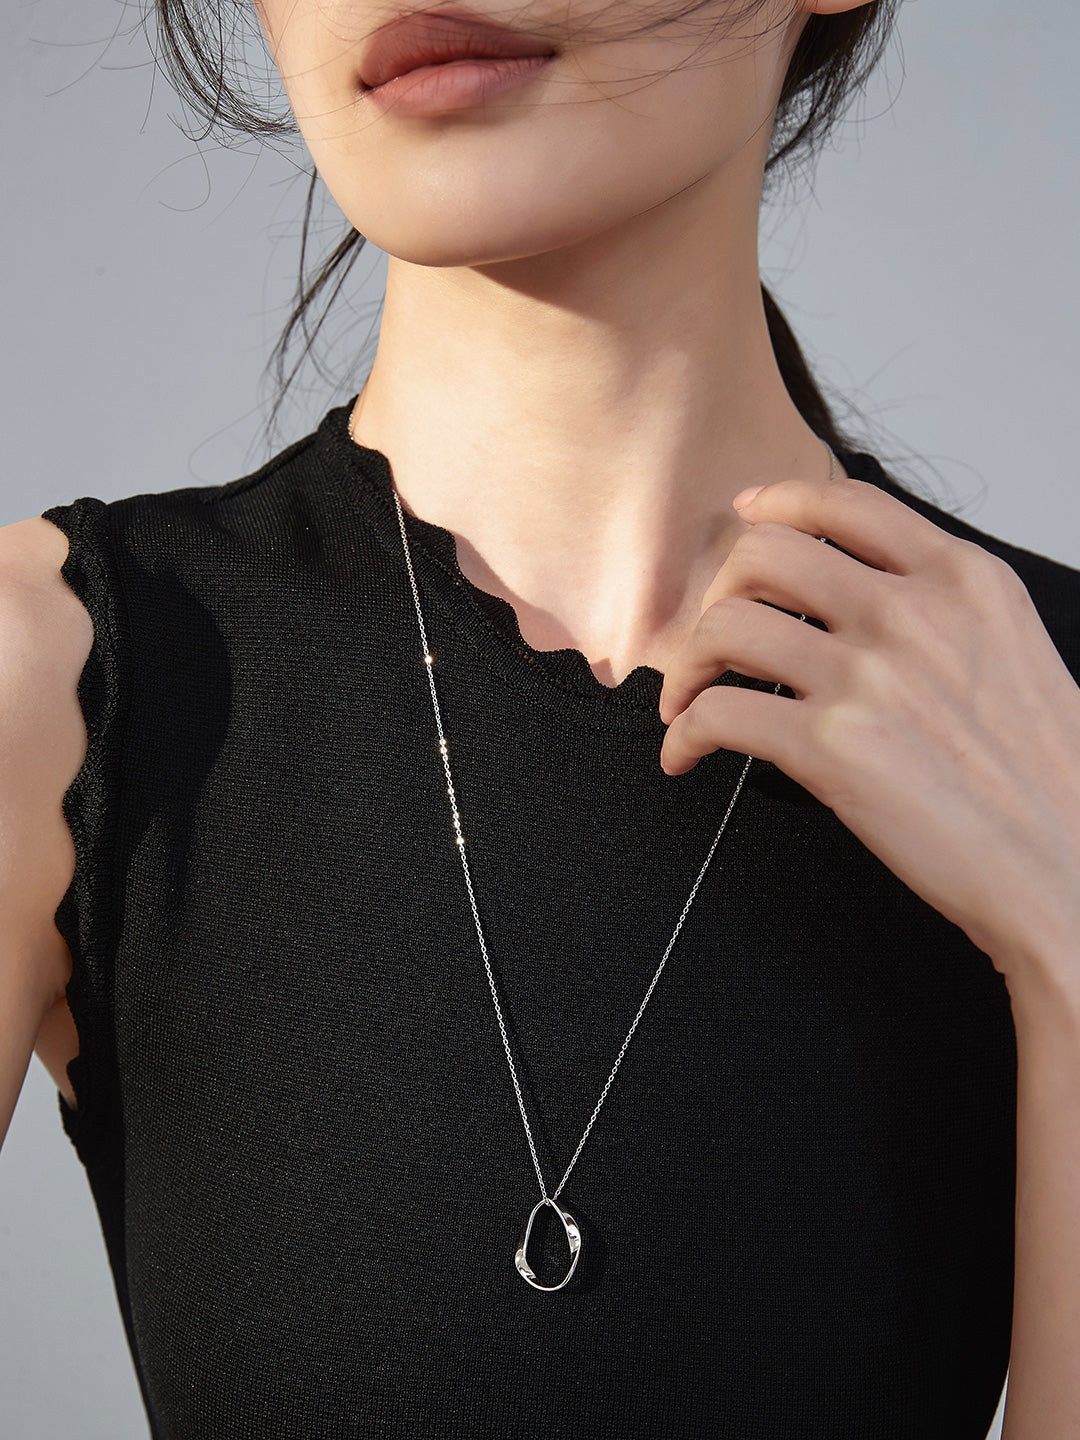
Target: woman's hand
<point>935,716</point>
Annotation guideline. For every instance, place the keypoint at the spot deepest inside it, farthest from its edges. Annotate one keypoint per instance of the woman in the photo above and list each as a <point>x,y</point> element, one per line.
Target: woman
<point>411,857</point>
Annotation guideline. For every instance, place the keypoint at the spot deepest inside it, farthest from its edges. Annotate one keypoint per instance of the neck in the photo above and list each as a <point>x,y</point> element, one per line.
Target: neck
<point>582,419</point>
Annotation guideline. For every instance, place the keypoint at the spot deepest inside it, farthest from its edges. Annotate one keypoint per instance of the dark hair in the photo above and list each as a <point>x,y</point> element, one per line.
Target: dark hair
<point>832,59</point>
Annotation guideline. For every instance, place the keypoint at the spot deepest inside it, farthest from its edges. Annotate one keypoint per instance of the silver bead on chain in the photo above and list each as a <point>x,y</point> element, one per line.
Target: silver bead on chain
<point>570,1226</point>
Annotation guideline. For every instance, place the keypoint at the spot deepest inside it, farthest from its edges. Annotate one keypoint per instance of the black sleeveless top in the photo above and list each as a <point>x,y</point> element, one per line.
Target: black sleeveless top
<point>293,1103</point>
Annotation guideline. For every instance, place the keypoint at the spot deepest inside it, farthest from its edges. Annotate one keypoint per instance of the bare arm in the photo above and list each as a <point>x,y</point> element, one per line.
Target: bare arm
<point>45,637</point>
<point>1043,1397</point>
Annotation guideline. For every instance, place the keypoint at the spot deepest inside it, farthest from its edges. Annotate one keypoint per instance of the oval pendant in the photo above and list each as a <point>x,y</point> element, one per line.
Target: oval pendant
<point>573,1238</point>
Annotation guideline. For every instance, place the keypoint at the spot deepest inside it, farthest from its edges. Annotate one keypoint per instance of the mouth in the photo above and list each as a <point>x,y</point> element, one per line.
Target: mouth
<point>434,37</point>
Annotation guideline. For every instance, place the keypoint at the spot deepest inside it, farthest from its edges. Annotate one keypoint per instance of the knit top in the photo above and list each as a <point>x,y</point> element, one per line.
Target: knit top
<point>293,1103</point>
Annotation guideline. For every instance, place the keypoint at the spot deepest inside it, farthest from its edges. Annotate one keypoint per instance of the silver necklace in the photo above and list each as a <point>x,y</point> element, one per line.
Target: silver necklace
<point>573,1232</point>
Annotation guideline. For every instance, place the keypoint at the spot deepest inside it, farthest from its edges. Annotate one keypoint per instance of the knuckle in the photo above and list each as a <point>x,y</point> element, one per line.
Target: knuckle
<point>722,614</point>
<point>961,556</point>
<point>701,716</point>
<point>879,678</point>
<point>846,731</point>
<point>969,565</point>
<point>1004,578</point>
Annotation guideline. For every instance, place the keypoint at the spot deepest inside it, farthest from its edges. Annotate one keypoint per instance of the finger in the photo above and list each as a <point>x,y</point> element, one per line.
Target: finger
<point>727,717</point>
<point>868,523</point>
<point>796,571</point>
<point>739,634</point>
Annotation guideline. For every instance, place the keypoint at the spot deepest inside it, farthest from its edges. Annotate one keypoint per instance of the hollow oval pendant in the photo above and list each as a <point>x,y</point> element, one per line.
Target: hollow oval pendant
<point>573,1238</point>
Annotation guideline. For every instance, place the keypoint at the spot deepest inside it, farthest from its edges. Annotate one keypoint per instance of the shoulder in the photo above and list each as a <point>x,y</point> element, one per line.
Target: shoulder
<point>45,630</point>
<point>1054,586</point>
<point>198,522</point>
<point>45,639</point>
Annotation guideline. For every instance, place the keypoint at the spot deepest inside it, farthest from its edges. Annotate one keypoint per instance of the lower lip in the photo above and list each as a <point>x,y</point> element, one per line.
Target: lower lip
<point>454,85</point>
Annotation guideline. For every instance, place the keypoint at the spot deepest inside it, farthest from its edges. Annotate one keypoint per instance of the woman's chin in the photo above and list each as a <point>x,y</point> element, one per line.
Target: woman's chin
<point>441,247</point>
<point>484,236</point>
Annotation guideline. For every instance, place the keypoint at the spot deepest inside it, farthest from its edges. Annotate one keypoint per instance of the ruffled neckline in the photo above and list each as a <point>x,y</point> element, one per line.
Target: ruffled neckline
<point>567,668</point>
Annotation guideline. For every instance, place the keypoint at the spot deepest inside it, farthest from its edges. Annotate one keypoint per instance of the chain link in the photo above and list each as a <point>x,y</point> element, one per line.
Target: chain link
<point>429,661</point>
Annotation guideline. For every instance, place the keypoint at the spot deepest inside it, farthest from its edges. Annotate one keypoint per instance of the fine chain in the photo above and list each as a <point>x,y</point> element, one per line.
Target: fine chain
<point>429,660</point>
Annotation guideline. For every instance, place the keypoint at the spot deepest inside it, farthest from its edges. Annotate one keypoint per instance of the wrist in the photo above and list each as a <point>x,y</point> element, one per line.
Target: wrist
<point>1047,999</point>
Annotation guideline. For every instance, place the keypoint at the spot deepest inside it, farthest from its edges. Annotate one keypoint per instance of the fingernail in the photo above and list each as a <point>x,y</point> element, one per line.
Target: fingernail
<point>745,496</point>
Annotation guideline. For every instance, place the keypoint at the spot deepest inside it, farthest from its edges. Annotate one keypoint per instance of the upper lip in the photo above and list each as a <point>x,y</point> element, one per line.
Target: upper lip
<point>436,37</point>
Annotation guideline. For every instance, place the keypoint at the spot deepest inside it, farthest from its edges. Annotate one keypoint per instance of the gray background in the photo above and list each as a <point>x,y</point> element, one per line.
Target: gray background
<point>929,271</point>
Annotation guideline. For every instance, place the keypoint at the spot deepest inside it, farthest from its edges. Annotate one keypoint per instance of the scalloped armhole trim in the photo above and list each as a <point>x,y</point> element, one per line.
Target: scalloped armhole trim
<point>87,913</point>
